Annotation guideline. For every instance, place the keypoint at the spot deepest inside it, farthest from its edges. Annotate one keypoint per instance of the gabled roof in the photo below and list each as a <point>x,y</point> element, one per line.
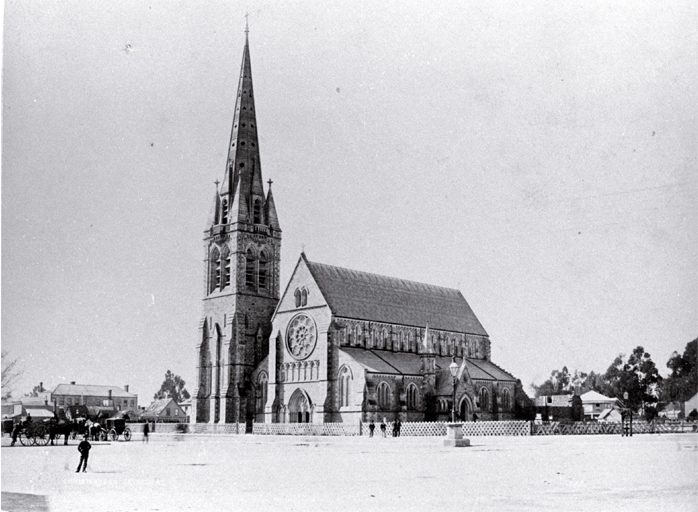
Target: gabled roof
<point>155,408</point>
<point>408,363</point>
<point>365,296</point>
<point>91,390</point>
<point>593,396</point>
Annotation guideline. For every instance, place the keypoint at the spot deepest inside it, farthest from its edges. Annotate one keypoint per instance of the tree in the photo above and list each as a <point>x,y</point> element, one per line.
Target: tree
<point>524,407</point>
<point>639,377</point>
<point>682,383</point>
<point>10,373</point>
<point>36,390</point>
<point>172,387</point>
<point>557,384</point>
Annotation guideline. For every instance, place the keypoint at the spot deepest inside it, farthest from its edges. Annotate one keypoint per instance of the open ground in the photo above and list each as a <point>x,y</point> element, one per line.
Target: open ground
<point>187,472</point>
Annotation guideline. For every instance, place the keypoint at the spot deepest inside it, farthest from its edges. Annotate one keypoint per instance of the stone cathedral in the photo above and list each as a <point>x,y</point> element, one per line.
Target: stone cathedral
<point>337,345</point>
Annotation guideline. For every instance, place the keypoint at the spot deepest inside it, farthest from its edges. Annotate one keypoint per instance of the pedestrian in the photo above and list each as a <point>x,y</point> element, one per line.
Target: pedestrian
<point>15,432</point>
<point>84,449</point>
<point>52,430</point>
<point>399,426</point>
<point>146,431</point>
<point>395,427</point>
<point>383,427</point>
<point>371,428</point>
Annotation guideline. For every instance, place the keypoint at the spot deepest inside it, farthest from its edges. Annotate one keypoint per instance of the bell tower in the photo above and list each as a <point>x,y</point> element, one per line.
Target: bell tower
<point>242,243</point>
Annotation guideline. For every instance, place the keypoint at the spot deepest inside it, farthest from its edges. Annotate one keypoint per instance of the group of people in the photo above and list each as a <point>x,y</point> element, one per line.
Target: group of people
<point>397,425</point>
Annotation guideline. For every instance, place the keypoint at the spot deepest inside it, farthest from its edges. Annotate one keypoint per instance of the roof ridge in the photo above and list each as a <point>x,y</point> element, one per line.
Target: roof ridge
<point>380,276</point>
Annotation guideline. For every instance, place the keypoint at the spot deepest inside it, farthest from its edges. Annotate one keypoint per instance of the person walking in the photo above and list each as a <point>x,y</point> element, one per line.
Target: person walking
<point>15,432</point>
<point>371,428</point>
<point>84,449</point>
<point>398,425</point>
<point>395,427</point>
<point>383,427</point>
<point>146,431</point>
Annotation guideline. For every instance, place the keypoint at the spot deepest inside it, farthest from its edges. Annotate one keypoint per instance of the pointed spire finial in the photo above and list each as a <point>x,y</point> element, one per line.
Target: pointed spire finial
<point>247,26</point>
<point>216,182</point>
<point>270,182</point>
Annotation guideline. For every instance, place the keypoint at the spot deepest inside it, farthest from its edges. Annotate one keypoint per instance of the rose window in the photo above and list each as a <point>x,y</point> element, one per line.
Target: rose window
<point>301,337</point>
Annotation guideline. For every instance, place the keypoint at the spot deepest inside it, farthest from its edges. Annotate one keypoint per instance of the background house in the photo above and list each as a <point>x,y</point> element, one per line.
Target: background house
<point>92,395</point>
<point>595,403</point>
<point>559,407</point>
<point>164,410</point>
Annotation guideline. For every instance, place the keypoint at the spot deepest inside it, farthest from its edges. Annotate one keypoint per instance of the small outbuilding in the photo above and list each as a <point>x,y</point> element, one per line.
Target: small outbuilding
<point>164,410</point>
<point>595,403</point>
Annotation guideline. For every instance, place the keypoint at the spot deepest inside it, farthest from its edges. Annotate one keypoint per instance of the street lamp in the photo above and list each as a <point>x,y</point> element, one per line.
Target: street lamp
<point>453,368</point>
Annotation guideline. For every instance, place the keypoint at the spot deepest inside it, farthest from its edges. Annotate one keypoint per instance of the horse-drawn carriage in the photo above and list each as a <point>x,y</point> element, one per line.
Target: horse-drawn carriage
<point>117,427</point>
<point>34,433</point>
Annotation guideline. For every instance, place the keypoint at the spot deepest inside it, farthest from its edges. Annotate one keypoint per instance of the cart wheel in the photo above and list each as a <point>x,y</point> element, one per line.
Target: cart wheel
<point>41,438</point>
<point>113,436</point>
<point>26,441</point>
<point>102,436</point>
<point>127,434</point>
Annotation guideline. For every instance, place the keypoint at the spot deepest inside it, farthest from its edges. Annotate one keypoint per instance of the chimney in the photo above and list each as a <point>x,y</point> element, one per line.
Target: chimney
<point>41,386</point>
<point>72,382</point>
<point>110,394</point>
<point>126,388</point>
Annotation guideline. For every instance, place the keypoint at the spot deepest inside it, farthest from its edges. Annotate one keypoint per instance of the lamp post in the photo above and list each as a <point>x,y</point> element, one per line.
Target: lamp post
<point>453,368</point>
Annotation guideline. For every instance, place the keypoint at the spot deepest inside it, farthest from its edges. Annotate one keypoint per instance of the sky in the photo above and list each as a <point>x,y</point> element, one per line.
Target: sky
<point>541,157</point>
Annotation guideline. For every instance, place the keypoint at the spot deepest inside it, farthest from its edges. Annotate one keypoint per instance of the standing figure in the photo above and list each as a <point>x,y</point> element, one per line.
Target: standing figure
<point>84,449</point>
<point>398,426</point>
<point>146,431</point>
<point>52,427</point>
<point>383,427</point>
<point>395,427</point>
<point>15,432</point>
<point>371,428</point>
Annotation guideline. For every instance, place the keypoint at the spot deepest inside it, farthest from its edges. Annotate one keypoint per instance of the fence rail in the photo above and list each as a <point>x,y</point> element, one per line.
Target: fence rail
<point>430,428</point>
<point>306,429</point>
<point>639,427</point>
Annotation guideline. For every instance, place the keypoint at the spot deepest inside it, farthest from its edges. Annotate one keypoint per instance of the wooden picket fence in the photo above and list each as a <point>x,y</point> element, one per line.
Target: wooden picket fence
<point>554,428</point>
<point>470,428</point>
<point>431,428</point>
<point>306,429</point>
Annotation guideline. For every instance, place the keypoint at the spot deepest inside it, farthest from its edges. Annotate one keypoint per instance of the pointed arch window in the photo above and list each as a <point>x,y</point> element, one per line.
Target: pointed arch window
<point>506,399</point>
<point>304,297</point>
<point>344,383</point>
<point>257,211</point>
<point>297,295</point>
<point>384,395</point>
<point>263,270</point>
<point>250,270</point>
<point>215,270</point>
<point>484,399</point>
<point>224,212</point>
<point>386,339</point>
<point>411,397</point>
<point>263,387</point>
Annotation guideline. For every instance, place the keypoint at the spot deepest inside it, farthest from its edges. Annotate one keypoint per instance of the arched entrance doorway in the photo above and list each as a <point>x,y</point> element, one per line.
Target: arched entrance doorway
<point>299,407</point>
<point>465,409</point>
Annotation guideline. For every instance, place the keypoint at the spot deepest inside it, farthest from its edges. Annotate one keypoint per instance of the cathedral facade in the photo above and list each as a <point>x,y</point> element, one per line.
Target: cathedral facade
<point>338,345</point>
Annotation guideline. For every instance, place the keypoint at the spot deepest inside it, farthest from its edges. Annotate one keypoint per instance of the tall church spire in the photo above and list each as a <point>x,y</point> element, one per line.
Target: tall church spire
<point>243,178</point>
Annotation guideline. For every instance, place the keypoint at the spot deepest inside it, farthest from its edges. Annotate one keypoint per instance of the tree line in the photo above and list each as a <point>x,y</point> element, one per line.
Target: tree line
<point>636,375</point>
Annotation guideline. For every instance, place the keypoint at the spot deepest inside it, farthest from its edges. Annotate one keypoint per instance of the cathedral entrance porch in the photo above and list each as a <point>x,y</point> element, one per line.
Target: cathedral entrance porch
<point>300,408</point>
